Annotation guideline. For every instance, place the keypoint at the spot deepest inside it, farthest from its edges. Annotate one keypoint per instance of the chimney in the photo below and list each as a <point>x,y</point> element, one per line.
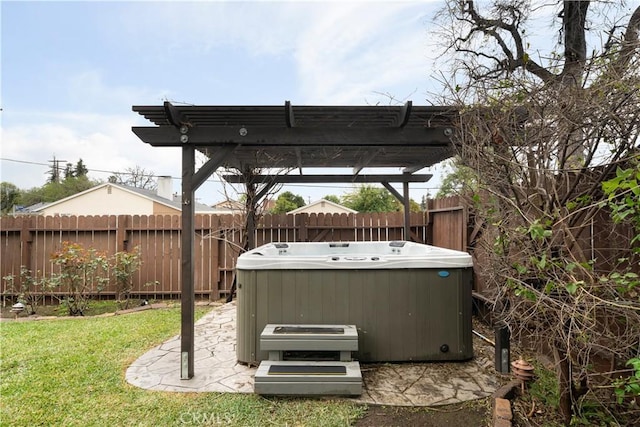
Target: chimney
<point>165,187</point>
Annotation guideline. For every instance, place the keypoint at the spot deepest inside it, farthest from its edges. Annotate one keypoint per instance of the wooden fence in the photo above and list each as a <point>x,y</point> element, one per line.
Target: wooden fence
<point>29,241</point>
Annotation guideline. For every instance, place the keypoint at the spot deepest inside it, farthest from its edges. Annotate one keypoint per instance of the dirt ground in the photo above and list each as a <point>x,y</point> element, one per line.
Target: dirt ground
<point>475,413</point>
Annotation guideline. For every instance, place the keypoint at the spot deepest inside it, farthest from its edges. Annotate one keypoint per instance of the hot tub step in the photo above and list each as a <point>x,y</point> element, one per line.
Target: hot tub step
<point>308,377</point>
<point>276,338</point>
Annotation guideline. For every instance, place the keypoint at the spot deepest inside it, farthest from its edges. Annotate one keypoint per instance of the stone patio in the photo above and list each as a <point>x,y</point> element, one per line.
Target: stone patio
<point>398,384</point>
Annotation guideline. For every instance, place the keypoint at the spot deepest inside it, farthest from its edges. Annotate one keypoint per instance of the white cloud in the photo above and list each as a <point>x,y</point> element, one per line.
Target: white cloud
<point>262,28</point>
<point>343,53</point>
<point>347,54</point>
<point>87,90</point>
<point>103,142</point>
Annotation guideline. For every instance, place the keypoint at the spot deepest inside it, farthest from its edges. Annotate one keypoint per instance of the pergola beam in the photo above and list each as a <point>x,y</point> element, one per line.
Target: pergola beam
<point>413,169</point>
<point>406,203</point>
<point>323,179</point>
<point>263,136</point>
<point>289,118</point>
<point>264,190</point>
<point>365,161</point>
<point>299,158</point>
<point>174,116</point>
<point>403,116</point>
<point>393,191</point>
<point>214,162</point>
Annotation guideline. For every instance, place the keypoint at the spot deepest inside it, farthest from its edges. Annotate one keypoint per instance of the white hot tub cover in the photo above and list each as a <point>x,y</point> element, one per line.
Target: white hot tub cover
<point>351,255</point>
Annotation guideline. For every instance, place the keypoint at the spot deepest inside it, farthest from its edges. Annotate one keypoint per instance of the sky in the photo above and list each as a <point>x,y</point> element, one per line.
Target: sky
<point>71,71</point>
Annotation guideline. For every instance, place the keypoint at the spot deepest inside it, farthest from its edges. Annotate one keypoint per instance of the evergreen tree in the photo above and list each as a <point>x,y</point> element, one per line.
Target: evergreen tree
<point>75,181</point>
<point>81,169</point>
<point>68,171</point>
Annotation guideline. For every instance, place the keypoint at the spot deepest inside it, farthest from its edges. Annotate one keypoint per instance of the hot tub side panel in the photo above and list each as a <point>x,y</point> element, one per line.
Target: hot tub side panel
<point>401,315</point>
<point>245,315</point>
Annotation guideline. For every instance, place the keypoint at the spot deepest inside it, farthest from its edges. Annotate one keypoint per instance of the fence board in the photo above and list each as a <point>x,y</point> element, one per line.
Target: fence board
<point>448,220</point>
<point>31,240</point>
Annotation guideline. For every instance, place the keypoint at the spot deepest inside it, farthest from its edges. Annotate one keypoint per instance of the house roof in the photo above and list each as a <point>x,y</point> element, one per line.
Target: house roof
<point>148,194</point>
<point>229,205</point>
<point>319,202</point>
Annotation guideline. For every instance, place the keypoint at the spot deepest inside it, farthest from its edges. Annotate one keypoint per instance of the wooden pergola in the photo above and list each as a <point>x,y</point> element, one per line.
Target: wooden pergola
<point>248,138</point>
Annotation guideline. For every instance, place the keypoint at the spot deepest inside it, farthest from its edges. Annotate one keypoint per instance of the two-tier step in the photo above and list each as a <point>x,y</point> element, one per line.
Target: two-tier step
<point>334,377</point>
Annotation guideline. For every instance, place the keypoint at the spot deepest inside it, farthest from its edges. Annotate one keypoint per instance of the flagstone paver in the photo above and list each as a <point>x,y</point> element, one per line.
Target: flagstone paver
<point>217,370</point>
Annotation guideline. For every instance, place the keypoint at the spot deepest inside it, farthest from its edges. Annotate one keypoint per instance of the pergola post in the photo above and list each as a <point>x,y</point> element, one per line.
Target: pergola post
<point>187,337</point>
<point>407,211</point>
<point>404,199</point>
<point>191,180</point>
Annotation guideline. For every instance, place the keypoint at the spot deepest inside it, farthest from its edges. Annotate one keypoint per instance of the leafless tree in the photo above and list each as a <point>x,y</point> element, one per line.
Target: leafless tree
<point>256,195</point>
<point>137,177</point>
<point>542,134</point>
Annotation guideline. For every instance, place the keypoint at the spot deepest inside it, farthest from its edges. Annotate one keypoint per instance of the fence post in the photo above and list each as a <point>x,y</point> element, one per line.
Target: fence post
<point>122,236</point>
<point>26,238</point>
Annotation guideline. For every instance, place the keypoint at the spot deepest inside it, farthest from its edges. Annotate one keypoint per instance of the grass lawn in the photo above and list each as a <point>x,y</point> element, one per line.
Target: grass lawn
<point>70,372</point>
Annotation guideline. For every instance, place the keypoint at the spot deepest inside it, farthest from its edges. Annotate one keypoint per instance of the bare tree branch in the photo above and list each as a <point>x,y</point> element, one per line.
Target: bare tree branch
<point>630,46</point>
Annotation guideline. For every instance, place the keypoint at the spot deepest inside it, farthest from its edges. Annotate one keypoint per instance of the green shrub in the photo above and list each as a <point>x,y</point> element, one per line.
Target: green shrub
<point>83,272</point>
<point>123,266</point>
<point>29,289</point>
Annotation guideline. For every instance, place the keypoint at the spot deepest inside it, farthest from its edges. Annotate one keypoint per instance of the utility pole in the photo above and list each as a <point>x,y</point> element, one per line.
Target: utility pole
<point>55,169</point>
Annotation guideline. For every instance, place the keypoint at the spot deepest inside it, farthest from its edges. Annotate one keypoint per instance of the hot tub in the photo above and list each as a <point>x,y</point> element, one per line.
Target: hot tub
<point>409,302</point>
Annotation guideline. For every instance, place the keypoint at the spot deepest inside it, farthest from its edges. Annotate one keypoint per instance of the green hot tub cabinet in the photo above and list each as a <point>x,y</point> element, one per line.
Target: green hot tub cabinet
<point>409,302</point>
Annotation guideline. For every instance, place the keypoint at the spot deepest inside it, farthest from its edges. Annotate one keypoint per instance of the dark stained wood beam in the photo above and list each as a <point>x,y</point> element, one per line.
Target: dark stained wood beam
<point>187,294</point>
<point>174,116</point>
<point>191,180</point>
<point>406,203</point>
<point>393,191</point>
<point>265,189</point>
<point>407,211</point>
<point>299,158</point>
<point>365,161</point>
<point>319,179</point>
<point>403,116</point>
<point>413,169</point>
<point>215,160</point>
<point>290,119</point>
<point>203,136</point>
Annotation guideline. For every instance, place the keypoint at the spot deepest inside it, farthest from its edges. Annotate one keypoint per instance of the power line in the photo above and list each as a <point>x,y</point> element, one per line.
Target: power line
<point>24,161</point>
<point>90,170</point>
<point>211,180</point>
